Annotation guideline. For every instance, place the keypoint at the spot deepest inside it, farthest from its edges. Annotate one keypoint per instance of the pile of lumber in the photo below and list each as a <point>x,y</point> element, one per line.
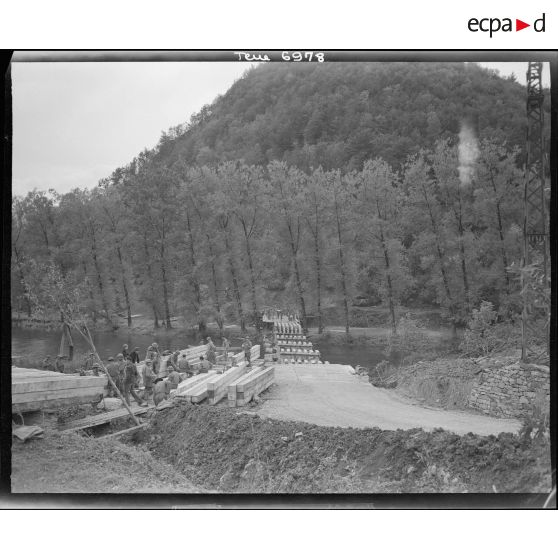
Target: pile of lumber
<point>254,355</point>
<point>282,326</point>
<point>290,337</point>
<point>193,354</point>
<point>33,390</point>
<point>296,348</point>
<point>194,389</point>
<point>217,387</point>
<point>245,388</point>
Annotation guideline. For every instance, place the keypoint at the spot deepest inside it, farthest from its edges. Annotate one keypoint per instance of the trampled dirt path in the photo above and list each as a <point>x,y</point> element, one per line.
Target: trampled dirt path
<point>330,395</point>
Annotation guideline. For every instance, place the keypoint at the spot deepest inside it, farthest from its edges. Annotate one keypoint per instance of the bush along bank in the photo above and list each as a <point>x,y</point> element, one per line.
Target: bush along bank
<point>237,451</point>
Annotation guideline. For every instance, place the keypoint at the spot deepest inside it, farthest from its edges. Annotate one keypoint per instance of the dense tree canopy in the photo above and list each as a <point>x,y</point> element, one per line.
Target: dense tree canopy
<point>304,186</point>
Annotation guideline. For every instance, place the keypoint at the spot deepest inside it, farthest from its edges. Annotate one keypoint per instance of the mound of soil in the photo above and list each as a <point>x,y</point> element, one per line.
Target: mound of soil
<point>237,451</point>
<point>69,462</point>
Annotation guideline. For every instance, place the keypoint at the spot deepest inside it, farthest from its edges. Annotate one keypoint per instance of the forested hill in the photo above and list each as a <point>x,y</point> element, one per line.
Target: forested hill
<point>338,115</point>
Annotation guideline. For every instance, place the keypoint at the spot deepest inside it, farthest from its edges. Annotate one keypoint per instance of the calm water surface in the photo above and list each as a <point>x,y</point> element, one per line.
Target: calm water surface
<point>37,344</point>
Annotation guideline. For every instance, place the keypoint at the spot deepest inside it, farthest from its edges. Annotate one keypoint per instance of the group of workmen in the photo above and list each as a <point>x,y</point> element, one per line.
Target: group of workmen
<point>162,370</point>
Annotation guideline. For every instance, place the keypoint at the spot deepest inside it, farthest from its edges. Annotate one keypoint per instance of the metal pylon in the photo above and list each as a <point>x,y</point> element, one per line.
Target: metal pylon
<point>536,308</point>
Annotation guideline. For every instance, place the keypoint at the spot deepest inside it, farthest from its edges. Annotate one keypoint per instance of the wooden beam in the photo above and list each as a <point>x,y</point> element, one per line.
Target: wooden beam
<point>57,394</point>
<point>127,431</point>
<point>217,387</point>
<point>28,385</point>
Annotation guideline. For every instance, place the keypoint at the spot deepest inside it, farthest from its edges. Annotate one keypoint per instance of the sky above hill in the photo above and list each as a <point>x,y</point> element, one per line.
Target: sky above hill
<point>74,123</point>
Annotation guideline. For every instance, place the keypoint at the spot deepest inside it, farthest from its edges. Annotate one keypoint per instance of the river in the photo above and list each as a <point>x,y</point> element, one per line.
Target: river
<point>35,344</point>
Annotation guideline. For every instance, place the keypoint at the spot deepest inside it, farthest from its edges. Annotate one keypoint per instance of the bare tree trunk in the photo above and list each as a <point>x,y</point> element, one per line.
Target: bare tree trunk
<point>342,265</point>
<point>501,235</point>
<point>236,289</point>
<point>215,285</point>
<point>318,284</point>
<point>165,288</point>
<point>90,290</point>
<point>388,276</point>
<point>150,278</point>
<point>193,262</point>
<point>251,269</point>
<point>124,286</point>
<point>441,263</point>
<point>23,282</point>
<point>99,276</point>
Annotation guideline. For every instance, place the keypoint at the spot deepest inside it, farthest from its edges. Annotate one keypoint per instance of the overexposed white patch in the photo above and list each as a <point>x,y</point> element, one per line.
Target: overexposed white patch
<point>468,152</point>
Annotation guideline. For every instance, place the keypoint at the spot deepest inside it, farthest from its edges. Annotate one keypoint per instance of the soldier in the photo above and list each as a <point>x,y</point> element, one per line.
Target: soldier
<point>160,391</point>
<point>211,351</point>
<point>204,366</point>
<point>173,379</point>
<point>226,346</point>
<point>113,369</point>
<point>59,363</point>
<point>174,359</point>
<point>89,361</point>
<point>246,346</point>
<point>148,379</point>
<point>48,364</point>
<point>184,366</point>
<point>135,355</point>
<point>130,378</point>
<point>125,351</point>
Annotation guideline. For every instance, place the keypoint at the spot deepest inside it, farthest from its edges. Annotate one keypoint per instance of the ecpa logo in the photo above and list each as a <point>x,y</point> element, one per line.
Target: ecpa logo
<point>494,24</point>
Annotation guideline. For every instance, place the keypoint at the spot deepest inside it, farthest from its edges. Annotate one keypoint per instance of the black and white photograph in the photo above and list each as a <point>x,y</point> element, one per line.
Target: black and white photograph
<point>280,272</point>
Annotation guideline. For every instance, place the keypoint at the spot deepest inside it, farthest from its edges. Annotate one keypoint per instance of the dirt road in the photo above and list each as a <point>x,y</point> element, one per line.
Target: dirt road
<point>329,395</point>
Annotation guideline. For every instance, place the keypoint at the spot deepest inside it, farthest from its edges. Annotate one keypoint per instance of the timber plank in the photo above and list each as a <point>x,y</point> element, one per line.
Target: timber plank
<point>217,388</point>
<point>27,385</point>
<point>231,390</point>
<point>53,403</point>
<point>57,394</point>
<point>102,418</point>
<point>193,381</point>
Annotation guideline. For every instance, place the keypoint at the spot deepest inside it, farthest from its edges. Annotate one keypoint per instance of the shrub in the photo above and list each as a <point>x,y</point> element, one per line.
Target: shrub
<point>485,335</point>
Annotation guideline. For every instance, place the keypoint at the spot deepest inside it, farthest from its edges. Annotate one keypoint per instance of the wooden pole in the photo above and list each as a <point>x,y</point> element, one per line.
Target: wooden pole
<point>111,381</point>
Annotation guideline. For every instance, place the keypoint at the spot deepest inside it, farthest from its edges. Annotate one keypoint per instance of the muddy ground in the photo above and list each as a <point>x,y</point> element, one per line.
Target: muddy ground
<point>237,451</point>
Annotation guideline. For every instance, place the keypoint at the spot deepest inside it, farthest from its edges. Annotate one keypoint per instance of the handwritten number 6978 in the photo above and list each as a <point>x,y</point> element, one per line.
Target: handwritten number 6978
<point>298,56</point>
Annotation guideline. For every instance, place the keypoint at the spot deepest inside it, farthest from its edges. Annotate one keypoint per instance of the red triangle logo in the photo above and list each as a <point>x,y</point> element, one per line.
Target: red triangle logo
<point>519,25</point>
